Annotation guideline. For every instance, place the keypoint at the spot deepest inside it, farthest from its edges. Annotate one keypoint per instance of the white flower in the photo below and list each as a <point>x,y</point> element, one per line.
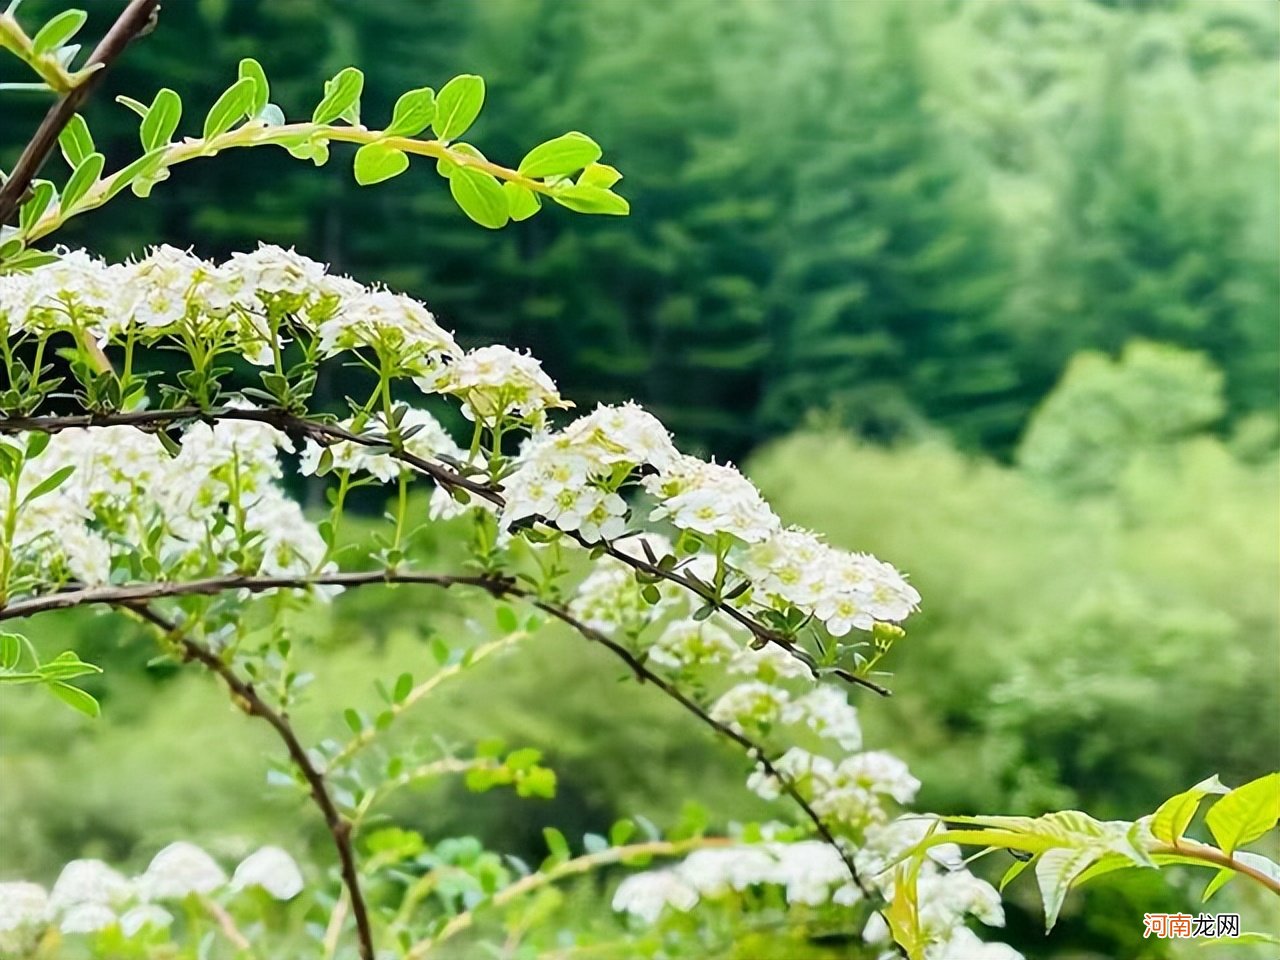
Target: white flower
<point>426,439</point>
<point>769,663</point>
<point>145,915</point>
<point>692,643</point>
<point>752,706</point>
<point>178,870</point>
<point>22,905</point>
<point>808,869</point>
<point>710,498</point>
<point>88,881</point>
<point>964,944</point>
<point>86,918</point>
<point>827,712</point>
<point>273,870</point>
<point>646,895</point>
<point>715,871</point>
<point>396,325</point>
<point>879,772</point>
<point>496,381</point>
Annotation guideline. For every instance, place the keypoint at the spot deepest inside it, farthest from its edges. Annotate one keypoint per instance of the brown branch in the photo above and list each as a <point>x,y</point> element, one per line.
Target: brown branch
<point>131,23</point>
<point>326,433</point>
<point>1212,856</point>
<point>136,593</point>
<point>136,596</point>
<point>246,697</point>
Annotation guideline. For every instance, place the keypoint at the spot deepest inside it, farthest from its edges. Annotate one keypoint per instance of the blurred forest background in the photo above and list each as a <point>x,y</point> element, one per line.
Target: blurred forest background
<point>989,288</point>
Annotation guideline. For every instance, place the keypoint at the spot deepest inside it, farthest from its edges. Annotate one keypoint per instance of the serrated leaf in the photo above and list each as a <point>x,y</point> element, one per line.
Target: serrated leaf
<point>522,203</point>
<point>161,119</point>
<point>560,157</point>
<point>341,96</point>
<point>1175,814</point>
<point>58,31</point>
<point>1055,870</point>
<point>457,106</point>
<point>413,113</point>
<point>377,161</point>
<point>480,196</point>
<point>587,199</point>
<point>75,141</point>
<point>252,69</point>
<point>1245,813</point>
<point>229,108</point>
<point>75,698</point>
<point>84,177</point>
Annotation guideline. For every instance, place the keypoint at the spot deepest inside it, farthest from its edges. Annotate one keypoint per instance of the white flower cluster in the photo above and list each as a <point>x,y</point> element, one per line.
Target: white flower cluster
<point>813,873</point>
<point>192,510</point>
<point>90,896</point>
<point>425,438</point>
<point>236,305</point>
<point>494,383</point>
<point>844,590</point>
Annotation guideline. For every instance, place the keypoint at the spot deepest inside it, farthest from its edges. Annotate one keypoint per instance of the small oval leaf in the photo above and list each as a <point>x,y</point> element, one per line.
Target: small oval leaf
<point>561,156</point>
<point>458,106</point>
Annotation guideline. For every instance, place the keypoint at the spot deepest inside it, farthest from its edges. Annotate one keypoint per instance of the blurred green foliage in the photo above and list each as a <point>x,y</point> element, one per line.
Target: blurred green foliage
<point>905,214</point>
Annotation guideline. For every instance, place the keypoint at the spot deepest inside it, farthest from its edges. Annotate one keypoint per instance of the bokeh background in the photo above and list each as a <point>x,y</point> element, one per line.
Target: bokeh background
<point>990,288</point>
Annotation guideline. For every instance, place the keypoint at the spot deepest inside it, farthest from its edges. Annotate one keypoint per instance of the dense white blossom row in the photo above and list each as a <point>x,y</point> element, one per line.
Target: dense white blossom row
<point>812,873</point>
<point>584,478</point>
<point>90,896</point>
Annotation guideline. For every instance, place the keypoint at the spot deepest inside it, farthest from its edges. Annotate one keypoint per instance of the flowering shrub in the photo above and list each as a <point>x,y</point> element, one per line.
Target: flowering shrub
<point>163,497</point>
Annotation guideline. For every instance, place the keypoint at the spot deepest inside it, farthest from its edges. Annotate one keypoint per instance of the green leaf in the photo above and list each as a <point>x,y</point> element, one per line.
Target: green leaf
<point>31,211</point>
<point>560,157</point>
<point>161,119</point>
<point>66,666</point>
<point>480,196</point>
<point>413,113</point>
<point>84,177</point>
<point>1175,814</point>
<point>599,175</point>
<point>137,106</point>
<point>594,843</point>
<point>376,162</point>
<point>507,619</point>
<point>76,141</point>
<point>522,202</point>
<point>622,831</point>
<point>1015,869</point>
<point>49,483</point>
<point>1245,813</point>
<point>1220,880</point>
<point>252,69</point>
<point>353,720</point>
<point>1055,870</point>
<point>144,166</point>
<point>458,106</point>
<point>10,650</point>
<point>58,31</point>
<point>229,108</point>
<point>556,843</point>
<point>587,199</point>
<point>404,686</point>
<point>75,698</point>
<point>341,97</point>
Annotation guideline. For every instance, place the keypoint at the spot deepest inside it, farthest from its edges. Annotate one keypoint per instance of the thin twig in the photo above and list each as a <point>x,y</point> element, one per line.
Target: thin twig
<point>131,23</point>
<point>327,433</point>
<point>136,596</point>
<point>247,698</point>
